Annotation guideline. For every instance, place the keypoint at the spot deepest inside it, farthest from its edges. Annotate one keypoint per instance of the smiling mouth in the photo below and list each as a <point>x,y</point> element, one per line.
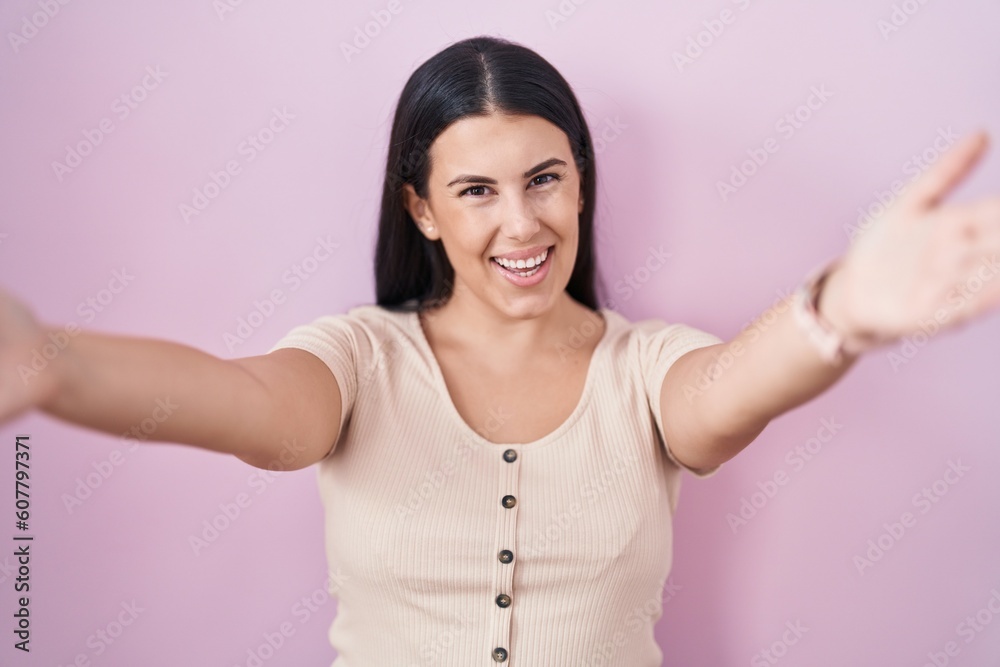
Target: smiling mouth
<point>524,272</point>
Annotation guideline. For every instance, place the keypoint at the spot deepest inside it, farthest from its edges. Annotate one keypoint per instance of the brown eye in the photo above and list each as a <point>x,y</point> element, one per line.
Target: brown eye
<point>552,177</point>
<point>470,191</point>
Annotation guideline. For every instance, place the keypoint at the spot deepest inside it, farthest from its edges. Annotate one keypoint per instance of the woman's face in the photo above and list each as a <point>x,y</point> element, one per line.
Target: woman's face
<point>503,186</point>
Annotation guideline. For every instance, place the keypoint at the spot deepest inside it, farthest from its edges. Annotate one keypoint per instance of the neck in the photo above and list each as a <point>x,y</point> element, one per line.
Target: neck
<point>467,321</point>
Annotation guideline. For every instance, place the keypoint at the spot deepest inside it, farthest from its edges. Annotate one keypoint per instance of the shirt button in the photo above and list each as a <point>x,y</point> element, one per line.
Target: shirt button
<point>510,456</point>
<point>506,556</point>
<point>508,501</point>
<point>503,600</point>
<point>499,654</point>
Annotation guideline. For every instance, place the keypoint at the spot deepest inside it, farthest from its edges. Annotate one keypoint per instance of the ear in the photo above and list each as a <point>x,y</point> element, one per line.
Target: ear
<point>420,212</point>
<point>581,205</point>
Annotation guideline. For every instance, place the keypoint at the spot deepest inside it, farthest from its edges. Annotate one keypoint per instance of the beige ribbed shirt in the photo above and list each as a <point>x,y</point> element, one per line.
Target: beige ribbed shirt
<point>455,551</point>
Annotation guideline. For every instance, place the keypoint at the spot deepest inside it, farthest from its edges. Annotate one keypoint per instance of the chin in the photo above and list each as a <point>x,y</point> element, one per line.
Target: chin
<point>526,306</point>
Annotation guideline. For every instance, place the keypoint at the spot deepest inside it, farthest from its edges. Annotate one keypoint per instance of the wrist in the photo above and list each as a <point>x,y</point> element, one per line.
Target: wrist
<point>819,310</point>
<point>829,301</point>
<point>55,378</point>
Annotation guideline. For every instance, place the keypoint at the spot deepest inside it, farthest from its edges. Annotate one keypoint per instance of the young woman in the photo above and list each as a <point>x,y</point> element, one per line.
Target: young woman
<point>499,456</point>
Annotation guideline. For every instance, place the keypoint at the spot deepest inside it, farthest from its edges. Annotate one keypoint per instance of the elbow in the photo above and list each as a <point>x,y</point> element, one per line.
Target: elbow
<point>711,447</point>
<point>725,446</point>
<point>290,455</point>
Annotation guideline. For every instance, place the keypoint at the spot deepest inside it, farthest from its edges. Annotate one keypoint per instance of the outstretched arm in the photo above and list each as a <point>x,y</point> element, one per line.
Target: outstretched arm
<point>919,263</point>
<point>278,411</point>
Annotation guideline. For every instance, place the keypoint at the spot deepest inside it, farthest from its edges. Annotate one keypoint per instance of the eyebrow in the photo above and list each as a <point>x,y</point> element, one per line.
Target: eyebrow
<point>466,178</point>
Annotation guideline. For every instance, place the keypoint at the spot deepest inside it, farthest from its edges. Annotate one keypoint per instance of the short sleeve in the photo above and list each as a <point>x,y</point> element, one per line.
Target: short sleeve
<point>332,338</point>
<point>660,345</point>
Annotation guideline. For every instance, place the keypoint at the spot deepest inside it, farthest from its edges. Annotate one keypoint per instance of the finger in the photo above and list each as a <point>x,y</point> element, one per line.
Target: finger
<point>942,177</point>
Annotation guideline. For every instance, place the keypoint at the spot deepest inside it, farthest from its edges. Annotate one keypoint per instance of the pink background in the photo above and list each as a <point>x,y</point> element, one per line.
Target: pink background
<point>679,132</point>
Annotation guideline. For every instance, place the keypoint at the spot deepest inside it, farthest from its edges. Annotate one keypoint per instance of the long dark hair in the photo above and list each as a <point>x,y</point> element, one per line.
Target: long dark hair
<point>473,77</point>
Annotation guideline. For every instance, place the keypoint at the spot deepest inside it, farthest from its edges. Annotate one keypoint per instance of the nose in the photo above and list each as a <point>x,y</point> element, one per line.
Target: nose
<point>520,218</point>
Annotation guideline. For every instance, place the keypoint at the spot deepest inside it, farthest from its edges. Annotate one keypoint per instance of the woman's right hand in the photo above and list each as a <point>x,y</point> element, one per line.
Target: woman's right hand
<point>24,382</point>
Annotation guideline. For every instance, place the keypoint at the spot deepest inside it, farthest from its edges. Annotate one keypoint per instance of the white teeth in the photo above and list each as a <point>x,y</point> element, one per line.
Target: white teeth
<point>521,263</point>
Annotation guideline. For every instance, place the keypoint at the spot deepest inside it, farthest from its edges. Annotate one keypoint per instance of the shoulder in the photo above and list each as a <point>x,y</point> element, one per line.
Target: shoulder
<point>376,317</point>
<point>626,334</point>
<point>363,329</point>
<point>653,342</point>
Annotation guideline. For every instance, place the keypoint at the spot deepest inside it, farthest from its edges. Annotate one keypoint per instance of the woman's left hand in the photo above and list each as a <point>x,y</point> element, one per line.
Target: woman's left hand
<point>921,264</point>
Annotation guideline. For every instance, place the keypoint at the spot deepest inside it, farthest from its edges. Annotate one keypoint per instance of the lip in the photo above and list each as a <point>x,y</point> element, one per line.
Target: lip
<point>524,254</point>
<point>532,280</point>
